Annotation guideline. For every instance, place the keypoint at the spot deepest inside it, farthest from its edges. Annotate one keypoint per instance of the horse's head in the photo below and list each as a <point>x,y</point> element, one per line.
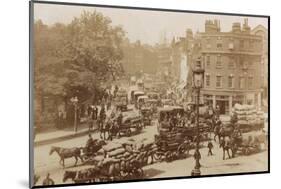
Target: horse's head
<point>69,175</point>
<point>52,150</point>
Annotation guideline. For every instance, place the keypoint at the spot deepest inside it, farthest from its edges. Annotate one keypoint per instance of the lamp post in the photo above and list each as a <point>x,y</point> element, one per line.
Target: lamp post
<point>198,83</point>
<point>74,101</point>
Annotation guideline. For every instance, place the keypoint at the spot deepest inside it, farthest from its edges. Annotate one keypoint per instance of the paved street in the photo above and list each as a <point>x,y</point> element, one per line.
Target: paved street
<point>44,163</point>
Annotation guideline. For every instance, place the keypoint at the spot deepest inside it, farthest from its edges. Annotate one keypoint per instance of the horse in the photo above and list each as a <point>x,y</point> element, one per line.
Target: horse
<point>223,131</point>
<point>82,176</point>
<point>36,179</point>
<point>261,139</point>
<point>217,132</point>
<point>226,131</point>
<point>104,126</point>
<point>65,153</point>
<point>113,130</point>
<point>226,145</point>
<point>110,170</point>
<point>69,175</point>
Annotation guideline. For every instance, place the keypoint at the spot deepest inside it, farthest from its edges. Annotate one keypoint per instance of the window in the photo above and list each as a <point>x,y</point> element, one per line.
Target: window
<point>241,62</point>
<point>219,63</point>
<point>241,44</point>
<point>208,43</point>
<point>251,45</point>
<point>231,44</point>
<point>208,80</point>
<point>241,82</point>
<point>250,64</point>
<point>208,61</point>
<point>219,45</point>
<point>219,81</point>
<point>250,82</point>
<point>231,63</point>
<point>230,81</point>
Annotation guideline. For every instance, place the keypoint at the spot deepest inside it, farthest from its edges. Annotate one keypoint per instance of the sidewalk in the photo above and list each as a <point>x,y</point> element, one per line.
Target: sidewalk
<point>53,136</point>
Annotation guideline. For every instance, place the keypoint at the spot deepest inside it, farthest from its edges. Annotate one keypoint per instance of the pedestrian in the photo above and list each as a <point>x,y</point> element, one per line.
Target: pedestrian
<point>210,146</point>
<point>197,157</point>
<point>48,181</point>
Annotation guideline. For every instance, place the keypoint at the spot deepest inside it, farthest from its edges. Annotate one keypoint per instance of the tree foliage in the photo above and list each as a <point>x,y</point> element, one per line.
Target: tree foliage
<point>83,53</point>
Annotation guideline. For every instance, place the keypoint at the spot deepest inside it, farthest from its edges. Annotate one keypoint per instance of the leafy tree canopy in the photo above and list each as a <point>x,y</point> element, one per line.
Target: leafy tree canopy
<point>83,53</point>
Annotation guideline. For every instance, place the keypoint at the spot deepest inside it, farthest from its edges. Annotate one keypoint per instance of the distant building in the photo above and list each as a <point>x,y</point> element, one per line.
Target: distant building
<point>139,58</point>
<point>263,32</point>
<point>164,61</point>
<point>232,63</point>
<point>182,59</point>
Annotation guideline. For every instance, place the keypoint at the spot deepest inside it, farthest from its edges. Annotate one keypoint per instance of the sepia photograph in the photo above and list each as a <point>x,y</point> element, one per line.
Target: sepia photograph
<point>122,94</point>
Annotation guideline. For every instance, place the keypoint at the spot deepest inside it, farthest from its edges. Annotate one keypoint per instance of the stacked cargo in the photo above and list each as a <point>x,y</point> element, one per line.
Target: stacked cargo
<point>248,117</point>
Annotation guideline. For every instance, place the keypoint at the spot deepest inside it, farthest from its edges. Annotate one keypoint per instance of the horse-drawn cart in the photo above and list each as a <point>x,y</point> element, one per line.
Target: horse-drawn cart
<point>246,146</point>
<point>171,146</point>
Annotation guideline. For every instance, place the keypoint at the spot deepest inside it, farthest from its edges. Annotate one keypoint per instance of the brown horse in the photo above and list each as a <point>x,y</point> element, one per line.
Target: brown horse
<point>65,153</point>
<point>223,131</point>
<point>227,145</point>
<point>36,179</point>
<point>82,176</point>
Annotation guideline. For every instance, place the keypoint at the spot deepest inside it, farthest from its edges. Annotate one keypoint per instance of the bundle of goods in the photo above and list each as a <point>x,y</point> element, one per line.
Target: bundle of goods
<point>248,117</point>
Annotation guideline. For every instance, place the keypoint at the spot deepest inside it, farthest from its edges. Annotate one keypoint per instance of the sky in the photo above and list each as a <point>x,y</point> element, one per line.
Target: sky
<point>148,26</point>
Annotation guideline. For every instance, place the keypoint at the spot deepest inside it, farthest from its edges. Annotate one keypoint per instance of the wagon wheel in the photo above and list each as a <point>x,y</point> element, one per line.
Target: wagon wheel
<point>139,173</point>
<point>182,150</point>
<point>243,151</point>
<point>157,156</point>
<point>168,156</point>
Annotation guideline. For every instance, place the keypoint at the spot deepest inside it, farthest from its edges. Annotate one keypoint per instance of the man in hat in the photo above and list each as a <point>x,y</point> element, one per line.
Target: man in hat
<point>90,143</point>
<point>210,146</point>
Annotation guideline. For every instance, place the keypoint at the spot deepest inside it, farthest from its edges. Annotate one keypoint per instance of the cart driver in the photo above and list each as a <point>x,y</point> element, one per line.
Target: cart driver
<point>90,143</point>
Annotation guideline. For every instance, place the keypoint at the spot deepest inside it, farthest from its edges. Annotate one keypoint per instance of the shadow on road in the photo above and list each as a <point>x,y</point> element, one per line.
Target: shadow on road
<point>152,172</point>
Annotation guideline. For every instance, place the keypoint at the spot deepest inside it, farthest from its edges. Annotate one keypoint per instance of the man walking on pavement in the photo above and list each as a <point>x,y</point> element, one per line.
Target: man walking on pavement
<point>210,146</point>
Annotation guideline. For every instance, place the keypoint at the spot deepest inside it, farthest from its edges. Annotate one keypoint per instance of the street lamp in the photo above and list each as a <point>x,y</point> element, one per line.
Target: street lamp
<point>74,101</point>
<point>198,83</point>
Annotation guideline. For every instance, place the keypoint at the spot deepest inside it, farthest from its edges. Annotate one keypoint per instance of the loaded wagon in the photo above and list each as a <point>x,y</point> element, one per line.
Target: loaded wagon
<point>146,114</point>
<point>247,118</point>
<point>246,146</point>
<point>131,122</point>
<point>171,146</point>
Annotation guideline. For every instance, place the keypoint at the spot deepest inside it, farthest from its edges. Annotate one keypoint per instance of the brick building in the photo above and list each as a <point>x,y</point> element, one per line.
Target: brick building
<point>232,63</point>
<point>263,32</point>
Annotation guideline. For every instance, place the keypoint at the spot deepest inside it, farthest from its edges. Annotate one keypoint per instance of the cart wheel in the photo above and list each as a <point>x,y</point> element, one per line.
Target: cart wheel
<point>168,156</point>
<point>157,156</point>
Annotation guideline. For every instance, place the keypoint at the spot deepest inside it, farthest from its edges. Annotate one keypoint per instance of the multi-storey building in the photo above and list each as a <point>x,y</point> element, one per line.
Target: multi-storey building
<point>164,61</point>
<point>139,58</point>
<point>181,56</point>
<point>232,63</point>
<point>263,32</point>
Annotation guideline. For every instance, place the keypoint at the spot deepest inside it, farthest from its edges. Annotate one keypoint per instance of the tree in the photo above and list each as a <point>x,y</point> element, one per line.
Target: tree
<point>84,53</point>
<point>76,58</point>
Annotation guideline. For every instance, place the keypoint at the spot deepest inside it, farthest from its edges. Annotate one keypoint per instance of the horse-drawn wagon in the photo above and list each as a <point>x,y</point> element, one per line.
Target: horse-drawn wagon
<point>146,114</point>
<point>131,123</point>
<point>247,145</point>
<point>171,146</point>
<point>118,162</point>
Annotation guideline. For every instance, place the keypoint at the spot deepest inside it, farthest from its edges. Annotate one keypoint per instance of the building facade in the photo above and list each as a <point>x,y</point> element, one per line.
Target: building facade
<point>139,58</point>
<point>263,32</point>
<point>232,63</point>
